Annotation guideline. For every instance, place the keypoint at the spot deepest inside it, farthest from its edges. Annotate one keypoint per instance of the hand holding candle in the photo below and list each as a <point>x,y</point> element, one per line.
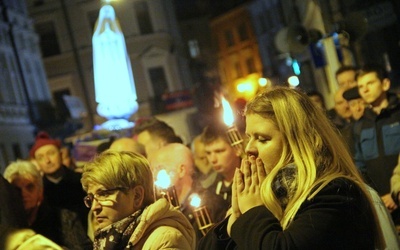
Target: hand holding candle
<point>201,214</point>
<point>234,136</point>
<point>164,189</point>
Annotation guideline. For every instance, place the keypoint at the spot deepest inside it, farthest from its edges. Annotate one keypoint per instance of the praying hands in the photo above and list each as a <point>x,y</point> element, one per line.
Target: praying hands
<point>246,188</point>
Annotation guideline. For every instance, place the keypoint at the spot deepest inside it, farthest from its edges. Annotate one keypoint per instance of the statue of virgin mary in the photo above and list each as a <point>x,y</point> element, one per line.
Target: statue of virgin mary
<point>114,84</point>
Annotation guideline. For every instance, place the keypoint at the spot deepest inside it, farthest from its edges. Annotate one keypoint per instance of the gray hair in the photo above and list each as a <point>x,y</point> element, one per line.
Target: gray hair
<point>23,168</point>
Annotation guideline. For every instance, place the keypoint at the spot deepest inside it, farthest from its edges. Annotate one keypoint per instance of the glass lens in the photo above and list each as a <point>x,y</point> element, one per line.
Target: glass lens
<point>88,200</point>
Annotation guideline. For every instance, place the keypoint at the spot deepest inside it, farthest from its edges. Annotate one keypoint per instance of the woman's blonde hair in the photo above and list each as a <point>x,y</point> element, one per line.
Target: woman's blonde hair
<point>311,143</point>
<point>120,169</point>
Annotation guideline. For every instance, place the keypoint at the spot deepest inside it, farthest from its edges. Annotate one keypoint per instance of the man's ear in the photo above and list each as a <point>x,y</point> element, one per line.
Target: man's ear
<point>386,84</point>
<point>181,171</point>
<point>138,196</point>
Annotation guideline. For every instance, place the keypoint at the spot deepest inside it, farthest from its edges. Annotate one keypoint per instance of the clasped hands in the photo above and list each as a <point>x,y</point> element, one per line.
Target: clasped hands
<point>246,188</point>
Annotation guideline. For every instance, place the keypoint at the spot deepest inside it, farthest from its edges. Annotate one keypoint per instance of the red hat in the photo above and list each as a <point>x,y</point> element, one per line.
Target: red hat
<point>42,139</point>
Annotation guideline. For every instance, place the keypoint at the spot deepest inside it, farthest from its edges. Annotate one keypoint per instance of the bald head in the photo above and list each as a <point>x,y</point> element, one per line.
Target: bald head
<point>127,144</point>
<point>171,156</point>
<point>177,160</point>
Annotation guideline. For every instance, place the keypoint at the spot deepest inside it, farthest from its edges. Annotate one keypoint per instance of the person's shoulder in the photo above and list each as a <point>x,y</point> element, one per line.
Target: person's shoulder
<point>71,175</point>
<point>167,227</point>
<point>341,187</point>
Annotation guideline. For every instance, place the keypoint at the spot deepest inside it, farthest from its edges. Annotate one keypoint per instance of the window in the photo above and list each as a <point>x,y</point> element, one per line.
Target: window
<point>62,108</point>
<point>48,39</point>
<point>92,18</point>
<point>143,17</point>
<point>229,38</point>
<point>158,80</point>
<point>243,34</point>
<point>251,67</point>
<point>238,69</point>
<point>194,49</point>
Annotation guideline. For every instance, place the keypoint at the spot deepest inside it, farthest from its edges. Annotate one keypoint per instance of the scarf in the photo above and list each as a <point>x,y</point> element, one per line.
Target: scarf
<point>284,184</point>
<point>117,235</point>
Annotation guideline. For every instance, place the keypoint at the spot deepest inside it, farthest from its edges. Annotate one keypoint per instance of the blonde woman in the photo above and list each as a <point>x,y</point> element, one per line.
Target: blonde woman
<point>121,199</point>
<point>299,188</point>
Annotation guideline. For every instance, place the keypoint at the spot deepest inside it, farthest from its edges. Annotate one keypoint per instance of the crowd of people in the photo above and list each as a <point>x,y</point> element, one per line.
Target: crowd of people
<point>311,178</point>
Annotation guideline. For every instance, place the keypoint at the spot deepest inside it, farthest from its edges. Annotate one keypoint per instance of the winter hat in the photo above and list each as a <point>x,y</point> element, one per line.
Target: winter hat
<point>351,94</point>
<point>42,139</point>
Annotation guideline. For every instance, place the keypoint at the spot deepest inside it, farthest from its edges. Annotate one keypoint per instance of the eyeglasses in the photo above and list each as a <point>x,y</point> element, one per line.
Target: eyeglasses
<point>102,197</point>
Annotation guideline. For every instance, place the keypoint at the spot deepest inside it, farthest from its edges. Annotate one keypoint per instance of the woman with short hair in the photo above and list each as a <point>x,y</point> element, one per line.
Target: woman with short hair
<point>121,198</point>
<point>59,225</point>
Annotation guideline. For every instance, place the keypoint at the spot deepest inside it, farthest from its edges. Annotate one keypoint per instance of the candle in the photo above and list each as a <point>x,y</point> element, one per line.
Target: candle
<point>163,188</point>
<point>201,214</point>
<point>234,137</point>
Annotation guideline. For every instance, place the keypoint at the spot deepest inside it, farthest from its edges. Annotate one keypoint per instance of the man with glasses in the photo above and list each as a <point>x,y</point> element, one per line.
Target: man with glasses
<point>120,192</point>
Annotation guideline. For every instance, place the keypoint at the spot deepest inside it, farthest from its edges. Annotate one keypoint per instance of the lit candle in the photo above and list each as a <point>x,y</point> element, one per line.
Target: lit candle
<point>234,137</point>
<point>164,189</point>
<point>201,214</point>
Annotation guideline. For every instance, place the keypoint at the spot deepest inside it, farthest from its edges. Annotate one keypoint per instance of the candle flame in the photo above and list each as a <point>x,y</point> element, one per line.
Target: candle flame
<point>228,113</point>
<point>196,201</point>
<point>163,180</point>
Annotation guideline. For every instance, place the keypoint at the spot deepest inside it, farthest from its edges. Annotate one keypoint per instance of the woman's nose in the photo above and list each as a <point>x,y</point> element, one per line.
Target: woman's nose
<point>250,148</point>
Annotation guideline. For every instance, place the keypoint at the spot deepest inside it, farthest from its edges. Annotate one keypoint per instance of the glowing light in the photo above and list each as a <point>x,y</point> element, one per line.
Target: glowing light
<point>195,201</point>
<point>263,82</point>
<point>163,181</point>
<point>293,81</point>
<point>243,87</point>
<point>228,112</point>
<point>296,67</point>
<point>114,84</point>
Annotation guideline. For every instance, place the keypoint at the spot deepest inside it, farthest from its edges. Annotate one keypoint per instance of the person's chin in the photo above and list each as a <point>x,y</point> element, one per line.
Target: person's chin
<point>102,222</point>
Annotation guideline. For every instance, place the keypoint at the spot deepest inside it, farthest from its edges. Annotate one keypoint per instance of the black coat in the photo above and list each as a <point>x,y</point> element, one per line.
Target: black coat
<point>61,226</point>
<point>68,194</point>
<point>338,217</point>
<point>12,213</point>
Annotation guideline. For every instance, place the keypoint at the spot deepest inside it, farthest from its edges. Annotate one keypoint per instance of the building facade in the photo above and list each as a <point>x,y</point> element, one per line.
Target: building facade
<point>152,38</point>
<point>238,57</point>
<point>24,90</point>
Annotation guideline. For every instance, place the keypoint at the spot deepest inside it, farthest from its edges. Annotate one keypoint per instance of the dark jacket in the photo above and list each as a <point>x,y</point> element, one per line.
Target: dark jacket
<point>215,205</point>
<point>377,144</point>
<point>68,194</point>
<point>61,226</point>
<point>338,217</point>
<point>218,187</point>
<point>12,213</point>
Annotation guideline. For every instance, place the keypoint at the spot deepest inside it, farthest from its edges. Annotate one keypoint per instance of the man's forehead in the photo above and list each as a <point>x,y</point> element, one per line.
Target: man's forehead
<point>219,142</point>
<point>46,148</point>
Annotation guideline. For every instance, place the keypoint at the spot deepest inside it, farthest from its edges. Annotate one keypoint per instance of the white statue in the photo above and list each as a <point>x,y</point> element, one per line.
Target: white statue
<point>114,84</point>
